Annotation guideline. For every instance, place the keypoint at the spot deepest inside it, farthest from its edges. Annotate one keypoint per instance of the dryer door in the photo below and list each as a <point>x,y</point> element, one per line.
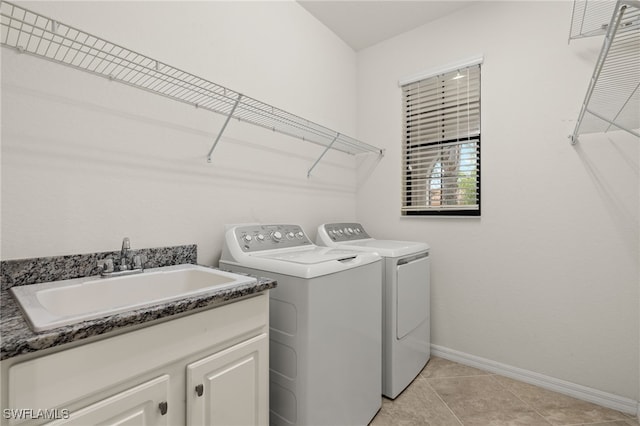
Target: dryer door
<point>413,293</point>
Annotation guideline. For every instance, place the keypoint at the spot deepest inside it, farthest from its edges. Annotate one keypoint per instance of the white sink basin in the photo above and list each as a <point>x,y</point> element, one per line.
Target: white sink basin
<point>54,304</point>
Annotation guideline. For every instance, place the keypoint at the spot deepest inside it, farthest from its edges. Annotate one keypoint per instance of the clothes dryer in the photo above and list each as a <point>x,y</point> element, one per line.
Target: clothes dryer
<point>324,332</point>
<point>406,295</point>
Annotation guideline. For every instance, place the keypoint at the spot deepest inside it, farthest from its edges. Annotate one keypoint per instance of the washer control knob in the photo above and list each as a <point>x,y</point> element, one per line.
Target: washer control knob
<point>340,231</point>
<point>247,238</point>
<point>299,235</point>
<point>276,236</point>
<point>260,238</point>
<point>349,231</point>
<point>357,230</point>
<point>290,235</point>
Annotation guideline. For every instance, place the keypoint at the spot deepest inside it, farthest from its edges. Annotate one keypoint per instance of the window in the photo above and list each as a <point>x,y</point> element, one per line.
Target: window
<point>441,144</point>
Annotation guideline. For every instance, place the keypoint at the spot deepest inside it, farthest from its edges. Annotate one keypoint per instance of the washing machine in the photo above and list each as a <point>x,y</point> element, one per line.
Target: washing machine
<point>324,314</point>
<point>405,298</point>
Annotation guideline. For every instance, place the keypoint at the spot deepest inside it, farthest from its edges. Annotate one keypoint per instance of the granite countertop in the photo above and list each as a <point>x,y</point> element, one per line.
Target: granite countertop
<point>18,338</point>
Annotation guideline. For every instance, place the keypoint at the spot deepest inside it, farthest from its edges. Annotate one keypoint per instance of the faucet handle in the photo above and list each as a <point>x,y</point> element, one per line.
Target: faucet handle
<point>105,265</point>
<point>139,261</point>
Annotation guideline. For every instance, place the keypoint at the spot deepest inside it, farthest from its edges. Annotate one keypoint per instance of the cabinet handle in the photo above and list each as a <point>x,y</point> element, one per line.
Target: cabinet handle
<point>199,390</point>
<point>163,406</point>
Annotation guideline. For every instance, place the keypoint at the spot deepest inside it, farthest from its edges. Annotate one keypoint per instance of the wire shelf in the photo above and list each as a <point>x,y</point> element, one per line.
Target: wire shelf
<point>46,38</point>
<point>613,97</point>
<point>590,18</point>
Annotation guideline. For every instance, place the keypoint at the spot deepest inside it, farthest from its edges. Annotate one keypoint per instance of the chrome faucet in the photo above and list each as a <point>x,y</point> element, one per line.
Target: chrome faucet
<point>126,246</point>
<point>126,265</point>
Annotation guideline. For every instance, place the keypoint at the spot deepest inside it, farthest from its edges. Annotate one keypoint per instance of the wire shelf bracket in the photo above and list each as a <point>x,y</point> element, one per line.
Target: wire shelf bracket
<point>49,39</point>
<point>613,96</point>
<point>224,126</point>
<point>322,155</point>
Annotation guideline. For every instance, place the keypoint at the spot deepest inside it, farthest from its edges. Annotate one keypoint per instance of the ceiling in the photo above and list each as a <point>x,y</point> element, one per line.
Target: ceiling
<point>363,23</point>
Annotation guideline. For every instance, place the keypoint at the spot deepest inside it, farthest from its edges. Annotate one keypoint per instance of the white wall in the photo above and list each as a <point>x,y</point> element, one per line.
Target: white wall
<point>547,279</point>
<point>86,161</point>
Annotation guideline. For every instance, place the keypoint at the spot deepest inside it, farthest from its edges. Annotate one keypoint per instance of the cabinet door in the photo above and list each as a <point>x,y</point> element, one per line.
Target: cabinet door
<point>141,405</point>
<point>230,387</point>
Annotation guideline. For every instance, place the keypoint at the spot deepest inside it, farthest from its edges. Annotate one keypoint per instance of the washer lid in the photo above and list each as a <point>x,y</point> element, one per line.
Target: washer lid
<point>309,262</point>
<point>312,256</point>
<point>386,248</point>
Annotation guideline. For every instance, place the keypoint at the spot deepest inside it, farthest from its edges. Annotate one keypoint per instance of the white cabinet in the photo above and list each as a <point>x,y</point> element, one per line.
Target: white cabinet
<point>143,405</point>
<point>223,388</point>
<point>152,375</point>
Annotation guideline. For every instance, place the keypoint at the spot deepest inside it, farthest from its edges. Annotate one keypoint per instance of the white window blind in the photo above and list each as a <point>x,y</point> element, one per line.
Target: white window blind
<point>441,144</point>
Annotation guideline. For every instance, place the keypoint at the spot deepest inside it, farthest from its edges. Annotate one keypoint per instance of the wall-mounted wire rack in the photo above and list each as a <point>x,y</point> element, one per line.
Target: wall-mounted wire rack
<point>612,101</point>
<point>46,38</point>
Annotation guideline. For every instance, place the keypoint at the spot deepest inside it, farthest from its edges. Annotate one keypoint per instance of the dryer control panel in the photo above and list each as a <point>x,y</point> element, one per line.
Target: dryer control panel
<point>345,231</point>
<point>265,237</point>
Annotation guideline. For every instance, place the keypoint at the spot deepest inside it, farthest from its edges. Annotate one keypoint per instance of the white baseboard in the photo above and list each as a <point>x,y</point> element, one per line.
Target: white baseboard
<point>584,393</point>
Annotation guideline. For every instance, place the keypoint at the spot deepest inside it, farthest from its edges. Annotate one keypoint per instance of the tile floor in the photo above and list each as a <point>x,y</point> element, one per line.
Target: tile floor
<point>447,393</point>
